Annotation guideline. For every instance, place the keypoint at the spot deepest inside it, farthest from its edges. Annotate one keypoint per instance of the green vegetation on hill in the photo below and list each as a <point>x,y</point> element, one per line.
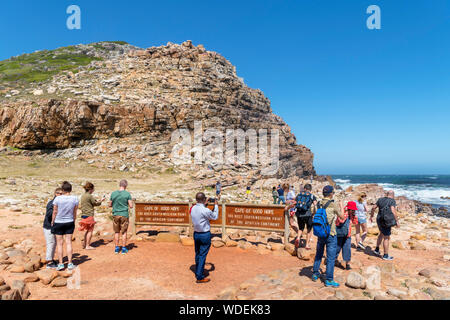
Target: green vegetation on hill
<point>42,65</point>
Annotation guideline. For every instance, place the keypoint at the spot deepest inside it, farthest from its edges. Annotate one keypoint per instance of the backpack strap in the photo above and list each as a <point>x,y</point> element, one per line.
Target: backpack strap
<point>327,204</point>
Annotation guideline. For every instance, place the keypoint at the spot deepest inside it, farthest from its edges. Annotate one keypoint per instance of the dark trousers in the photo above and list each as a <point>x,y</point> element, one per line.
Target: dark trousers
<point>202,241</point>
<point>344,243</point>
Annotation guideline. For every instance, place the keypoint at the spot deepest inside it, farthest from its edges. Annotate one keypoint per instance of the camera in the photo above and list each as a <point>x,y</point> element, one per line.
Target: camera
<point>211,199</point>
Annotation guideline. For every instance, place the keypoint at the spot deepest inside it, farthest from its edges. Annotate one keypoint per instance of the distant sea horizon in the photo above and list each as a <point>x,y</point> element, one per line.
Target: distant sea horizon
<point>427,188</point>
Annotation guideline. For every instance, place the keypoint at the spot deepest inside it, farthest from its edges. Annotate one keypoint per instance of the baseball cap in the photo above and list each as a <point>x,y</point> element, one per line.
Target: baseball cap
<point>328,189</point>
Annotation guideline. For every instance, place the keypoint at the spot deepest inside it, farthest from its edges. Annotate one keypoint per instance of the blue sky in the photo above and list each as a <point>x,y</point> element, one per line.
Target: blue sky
<point>365,101</point>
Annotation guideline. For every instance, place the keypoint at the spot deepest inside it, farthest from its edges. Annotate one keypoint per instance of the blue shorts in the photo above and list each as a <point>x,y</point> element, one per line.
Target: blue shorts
<point>362,219</point>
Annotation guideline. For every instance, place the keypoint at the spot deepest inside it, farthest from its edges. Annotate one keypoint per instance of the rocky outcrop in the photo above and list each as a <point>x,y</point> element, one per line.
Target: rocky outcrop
<point>148,92</point>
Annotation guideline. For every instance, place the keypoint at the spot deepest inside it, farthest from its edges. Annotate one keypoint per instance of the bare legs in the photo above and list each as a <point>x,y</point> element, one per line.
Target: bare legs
<point>87,240</point>
<point>385,240</point>
<point>59,244</point>
<point>361,237</point>
<point>116,239</point>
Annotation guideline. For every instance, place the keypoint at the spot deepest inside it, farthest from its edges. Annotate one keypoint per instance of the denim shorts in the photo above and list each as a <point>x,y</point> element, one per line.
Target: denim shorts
<point>362,219</point>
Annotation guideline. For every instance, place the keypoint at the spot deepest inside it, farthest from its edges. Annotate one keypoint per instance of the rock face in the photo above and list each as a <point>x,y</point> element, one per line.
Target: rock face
<point>152,92</point>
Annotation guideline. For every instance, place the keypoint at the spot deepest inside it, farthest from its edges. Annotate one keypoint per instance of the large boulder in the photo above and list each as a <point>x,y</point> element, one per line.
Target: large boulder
<point>46,275</point>
<point>372,274</point>
<point>355,281</point>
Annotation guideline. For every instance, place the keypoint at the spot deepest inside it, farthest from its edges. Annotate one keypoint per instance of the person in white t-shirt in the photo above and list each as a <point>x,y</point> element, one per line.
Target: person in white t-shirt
<point>63,223</point>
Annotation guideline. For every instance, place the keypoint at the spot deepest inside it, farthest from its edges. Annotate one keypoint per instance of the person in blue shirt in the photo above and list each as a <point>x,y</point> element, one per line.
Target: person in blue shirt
<point>201,216</point>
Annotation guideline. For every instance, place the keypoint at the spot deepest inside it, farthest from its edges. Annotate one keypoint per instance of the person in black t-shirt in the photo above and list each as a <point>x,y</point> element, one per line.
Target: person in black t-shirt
<point>386,219</point>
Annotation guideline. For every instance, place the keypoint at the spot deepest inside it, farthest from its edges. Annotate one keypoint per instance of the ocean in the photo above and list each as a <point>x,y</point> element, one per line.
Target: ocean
<point>425,188</point>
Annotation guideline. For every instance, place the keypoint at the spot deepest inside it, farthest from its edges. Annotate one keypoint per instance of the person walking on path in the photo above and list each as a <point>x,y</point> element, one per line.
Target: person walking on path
<point>386,219</point>
<point>218,189</point>
<point>329,242</point>
<point>344,233</point>
<point>64,215</point>
<point>248,191</point>
<point>121,202</point>
<point>201,217</point>
<point>50,238</point>
<point>87,204</point>
<point>274,195</point>
<point>362,221</point>
<point>281,195</point>
<point>305,200</point>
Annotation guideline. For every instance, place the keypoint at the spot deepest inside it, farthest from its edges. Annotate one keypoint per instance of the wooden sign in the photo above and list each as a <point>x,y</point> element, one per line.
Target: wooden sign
<point>255,217</point>
<point>162,213</point>
<point>217,222</point>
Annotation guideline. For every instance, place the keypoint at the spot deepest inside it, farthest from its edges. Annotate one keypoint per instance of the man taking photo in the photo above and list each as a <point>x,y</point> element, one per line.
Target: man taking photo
<point>201,217</point>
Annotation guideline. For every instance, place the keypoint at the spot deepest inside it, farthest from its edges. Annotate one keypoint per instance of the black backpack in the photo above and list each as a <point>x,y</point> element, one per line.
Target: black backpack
<point>387,218</point>
<point>304,201</point>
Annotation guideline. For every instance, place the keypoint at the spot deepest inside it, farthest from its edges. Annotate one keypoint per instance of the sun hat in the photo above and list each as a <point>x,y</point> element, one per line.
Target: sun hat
<point>351,205</point>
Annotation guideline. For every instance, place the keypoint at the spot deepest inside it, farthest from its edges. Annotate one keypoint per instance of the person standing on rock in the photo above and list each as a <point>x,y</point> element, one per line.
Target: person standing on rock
<point>386,219</point>
<point>248,191</point>
<point>218,189</point>
<point>87,204</point>
<point>362,221</point>
<point>50,238</point>
<point>274,195</point>
<point>65,209</point>
<point>330,242</point>
<point>201,217</point>
<point>344,233</point>
<point>121,202</point>
<point>281,195</point>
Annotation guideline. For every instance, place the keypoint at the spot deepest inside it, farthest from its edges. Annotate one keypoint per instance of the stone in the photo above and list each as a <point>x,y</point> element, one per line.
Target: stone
<point>167,237</point>
<point>304,254</point>
<point>29,267</point>
<point>16,253</point>
<point>290,248</point>
<point>414,245</point>
<point>31,278</point>
<point>59,282</point>
<point>17,269</point>
<point>4,288</point>
<point>217,244</point>
<point>228,294</point>
<point>22,288</point>
<point>231,243</point>
<point>11,295</point>
<point>2,281</point>
<point>355,281</point>
<point>7,244</point>
<point>187,241</point>
<point>418,237</point>
<point>398,245</point>
<point>425,273</point>
<point>373,231</point>
<point>397,292</point>
<point>46,275</point>
<point>38,92</point>
<point>372,274</point>
<point>276,246</point>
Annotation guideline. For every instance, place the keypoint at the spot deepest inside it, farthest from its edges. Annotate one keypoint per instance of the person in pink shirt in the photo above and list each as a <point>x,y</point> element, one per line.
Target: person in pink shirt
<point>344,233</point>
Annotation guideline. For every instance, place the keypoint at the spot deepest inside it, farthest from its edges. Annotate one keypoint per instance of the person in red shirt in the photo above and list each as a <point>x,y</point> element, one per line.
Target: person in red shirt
<point>344,233</point>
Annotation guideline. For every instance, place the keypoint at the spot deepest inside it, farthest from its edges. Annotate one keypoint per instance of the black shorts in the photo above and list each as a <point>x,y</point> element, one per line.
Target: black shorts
<point>304,221</point>
<point>63,228</point>
<point>385,231</point>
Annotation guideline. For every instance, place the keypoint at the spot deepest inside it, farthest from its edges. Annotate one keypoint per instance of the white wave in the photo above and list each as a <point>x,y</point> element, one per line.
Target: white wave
<point>342,181</point>
<point>415,192</point>
<point>434,178</point>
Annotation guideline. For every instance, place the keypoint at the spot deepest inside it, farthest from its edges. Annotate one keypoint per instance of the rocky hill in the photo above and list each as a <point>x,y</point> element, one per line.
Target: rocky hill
<point>113,98</point>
